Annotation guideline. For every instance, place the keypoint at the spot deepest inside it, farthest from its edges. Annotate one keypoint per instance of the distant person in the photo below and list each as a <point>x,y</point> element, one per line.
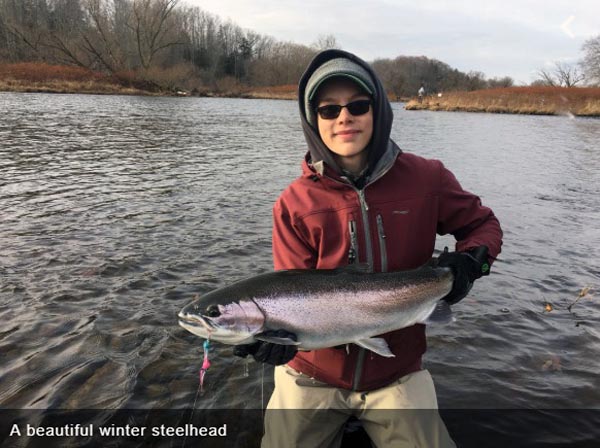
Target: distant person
<point>361,199</point>
<point>421,93</point>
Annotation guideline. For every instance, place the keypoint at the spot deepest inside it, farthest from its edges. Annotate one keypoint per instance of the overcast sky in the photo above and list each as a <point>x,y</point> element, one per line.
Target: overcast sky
<point>499,38</point>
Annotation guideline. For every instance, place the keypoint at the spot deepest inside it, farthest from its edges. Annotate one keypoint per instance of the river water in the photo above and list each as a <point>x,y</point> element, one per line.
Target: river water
<point>116,211</point>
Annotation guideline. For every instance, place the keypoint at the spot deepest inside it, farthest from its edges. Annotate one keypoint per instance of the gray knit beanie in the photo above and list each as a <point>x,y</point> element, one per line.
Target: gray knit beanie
<point>338,67</point>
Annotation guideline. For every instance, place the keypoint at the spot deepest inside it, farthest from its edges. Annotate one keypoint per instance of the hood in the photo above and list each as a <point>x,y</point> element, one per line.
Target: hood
<point>380,149</point>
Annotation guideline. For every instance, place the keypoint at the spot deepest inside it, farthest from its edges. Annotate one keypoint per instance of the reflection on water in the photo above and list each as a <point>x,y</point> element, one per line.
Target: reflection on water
<point>116,211</point>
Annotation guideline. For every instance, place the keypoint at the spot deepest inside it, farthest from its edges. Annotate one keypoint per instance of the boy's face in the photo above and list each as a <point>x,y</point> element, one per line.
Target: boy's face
<point>347,135</point>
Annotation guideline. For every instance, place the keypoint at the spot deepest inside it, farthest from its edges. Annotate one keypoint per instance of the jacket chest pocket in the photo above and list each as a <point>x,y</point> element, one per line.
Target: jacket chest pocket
<point>406,232</point>
<point>337,237</point>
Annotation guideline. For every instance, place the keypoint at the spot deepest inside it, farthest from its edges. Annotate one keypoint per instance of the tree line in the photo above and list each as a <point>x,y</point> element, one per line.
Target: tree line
<point>177,46</point>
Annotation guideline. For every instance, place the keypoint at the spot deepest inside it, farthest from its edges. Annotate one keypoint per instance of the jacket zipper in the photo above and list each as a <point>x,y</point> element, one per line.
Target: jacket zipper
<point>353,252</point>
<point>364,207</point>
<point>382,248</point>
<point>369,249</point>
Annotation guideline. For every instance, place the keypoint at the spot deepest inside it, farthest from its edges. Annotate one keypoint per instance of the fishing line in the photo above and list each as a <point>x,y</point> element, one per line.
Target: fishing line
<point>262,393</point>
<point>200,390</point>
<point>192,414</point>
<point>246,369</point>
<point>262,387</point>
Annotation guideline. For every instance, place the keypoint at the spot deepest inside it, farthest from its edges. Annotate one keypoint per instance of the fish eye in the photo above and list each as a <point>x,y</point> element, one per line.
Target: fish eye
<point>213,311</point>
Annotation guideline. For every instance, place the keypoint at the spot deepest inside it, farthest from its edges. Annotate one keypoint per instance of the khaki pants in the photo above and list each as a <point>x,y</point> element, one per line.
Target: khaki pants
<point>303,412</point>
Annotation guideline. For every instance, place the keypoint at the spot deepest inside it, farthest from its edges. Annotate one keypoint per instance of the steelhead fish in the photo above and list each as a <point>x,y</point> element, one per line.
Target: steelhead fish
<point>324,308</point>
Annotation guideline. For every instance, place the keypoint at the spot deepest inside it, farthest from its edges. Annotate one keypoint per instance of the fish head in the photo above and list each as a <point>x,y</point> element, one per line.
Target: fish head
<point>231,323</point>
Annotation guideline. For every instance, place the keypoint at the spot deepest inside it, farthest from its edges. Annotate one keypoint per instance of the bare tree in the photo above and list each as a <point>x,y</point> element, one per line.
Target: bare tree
<point>150,23</point>
<point>475,80</point>
<point>562,75</point>
<point>106,37</point>
<point>503,82</point>
<point>591,60</point>
<point>283,63</point>
<point>325,42</point>
<point>545,78</point>
<point>392,76</point>
<point>25,25</point>
<point>569,75</point>
<point>68,37</point>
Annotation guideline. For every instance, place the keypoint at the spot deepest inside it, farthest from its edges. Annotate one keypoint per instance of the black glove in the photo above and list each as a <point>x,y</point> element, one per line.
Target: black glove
<point>467,267</point>
<point>268,352</point>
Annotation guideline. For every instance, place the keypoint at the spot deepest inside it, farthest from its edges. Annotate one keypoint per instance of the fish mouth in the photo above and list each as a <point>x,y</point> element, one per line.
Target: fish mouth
<point>196,321</point>
<point>204,327</point>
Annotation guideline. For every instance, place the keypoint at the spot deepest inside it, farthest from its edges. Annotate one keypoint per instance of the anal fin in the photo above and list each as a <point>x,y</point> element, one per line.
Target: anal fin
<point>376,345</point>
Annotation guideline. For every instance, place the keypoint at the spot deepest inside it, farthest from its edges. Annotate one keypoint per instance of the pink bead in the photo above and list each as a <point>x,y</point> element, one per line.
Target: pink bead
<point>206,364</point>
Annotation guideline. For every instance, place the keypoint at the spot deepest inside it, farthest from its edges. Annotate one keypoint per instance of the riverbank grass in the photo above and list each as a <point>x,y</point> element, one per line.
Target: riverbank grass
<point>517,100</point>
<point>285,92</point>
<point>45,78</point>
<point>57,86</point>
<point>40,77</point>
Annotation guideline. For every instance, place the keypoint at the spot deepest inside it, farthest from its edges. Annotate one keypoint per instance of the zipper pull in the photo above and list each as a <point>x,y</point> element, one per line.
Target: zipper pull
<point>352,255</point>
<point>380,226</point>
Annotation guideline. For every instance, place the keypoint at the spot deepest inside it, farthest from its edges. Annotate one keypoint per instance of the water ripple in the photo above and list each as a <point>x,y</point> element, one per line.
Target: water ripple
<point>116,211</point>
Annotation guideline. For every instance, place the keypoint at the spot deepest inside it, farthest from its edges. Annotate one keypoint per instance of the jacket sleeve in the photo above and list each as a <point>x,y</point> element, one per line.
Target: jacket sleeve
<point>462,215</point>
<point>290,248</point>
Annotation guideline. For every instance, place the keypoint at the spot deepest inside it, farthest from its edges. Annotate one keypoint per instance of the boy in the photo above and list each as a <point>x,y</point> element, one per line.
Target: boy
<point>361,199</point>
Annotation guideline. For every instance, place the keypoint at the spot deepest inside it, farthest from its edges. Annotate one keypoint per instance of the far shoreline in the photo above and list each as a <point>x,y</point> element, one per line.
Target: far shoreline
<point>37,77</point>
<point>91,88</point>
<point>566,101</point>
<point>574,101</point>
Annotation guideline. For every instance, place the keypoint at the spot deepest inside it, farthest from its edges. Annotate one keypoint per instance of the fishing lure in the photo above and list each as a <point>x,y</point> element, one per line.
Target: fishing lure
<point>205,364</point>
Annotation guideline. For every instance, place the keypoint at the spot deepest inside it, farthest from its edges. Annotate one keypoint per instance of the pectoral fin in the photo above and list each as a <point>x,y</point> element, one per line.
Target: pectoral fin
<point>376,345</point>
<point>276,340</point>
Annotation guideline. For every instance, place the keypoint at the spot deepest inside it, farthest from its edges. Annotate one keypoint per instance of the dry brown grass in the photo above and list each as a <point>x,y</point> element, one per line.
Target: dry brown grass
<point>284,92</point>
<point>36,72</point>
<point>41,77</point>
<point>519,100</point>
<point>225,88</point>
<point>11,85</point>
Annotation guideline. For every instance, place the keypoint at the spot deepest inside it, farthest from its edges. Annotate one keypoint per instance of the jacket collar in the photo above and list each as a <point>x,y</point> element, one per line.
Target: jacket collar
<point>383,165</point>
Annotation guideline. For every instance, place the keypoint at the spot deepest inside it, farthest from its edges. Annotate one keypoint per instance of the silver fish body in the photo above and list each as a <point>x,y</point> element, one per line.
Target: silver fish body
<point>324,308</point>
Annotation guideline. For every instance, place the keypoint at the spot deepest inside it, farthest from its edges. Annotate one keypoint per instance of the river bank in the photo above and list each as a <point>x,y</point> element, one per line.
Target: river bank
<point>111,88</point>
<point>575,101</point>
<point>44,78</point>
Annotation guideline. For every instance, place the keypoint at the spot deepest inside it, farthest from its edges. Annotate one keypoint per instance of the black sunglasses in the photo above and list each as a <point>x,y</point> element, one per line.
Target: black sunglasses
<point>331,111</point>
